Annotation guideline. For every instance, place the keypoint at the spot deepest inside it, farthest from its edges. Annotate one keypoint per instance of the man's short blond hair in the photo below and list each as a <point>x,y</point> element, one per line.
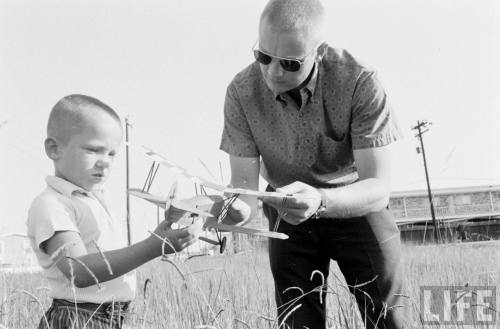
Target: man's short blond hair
<point>307,16</point>
<point>70,112</point>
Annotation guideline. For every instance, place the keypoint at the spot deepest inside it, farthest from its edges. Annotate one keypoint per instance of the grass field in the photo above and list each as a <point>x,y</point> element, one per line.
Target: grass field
<point>236,290</point>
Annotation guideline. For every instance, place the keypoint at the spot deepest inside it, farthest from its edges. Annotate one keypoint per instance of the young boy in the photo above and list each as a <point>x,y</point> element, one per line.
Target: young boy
<point>93,287</point>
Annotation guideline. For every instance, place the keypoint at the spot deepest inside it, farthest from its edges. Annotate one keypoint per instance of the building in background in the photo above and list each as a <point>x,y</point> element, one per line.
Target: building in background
<point>464,213</point>
<point>16,252</point>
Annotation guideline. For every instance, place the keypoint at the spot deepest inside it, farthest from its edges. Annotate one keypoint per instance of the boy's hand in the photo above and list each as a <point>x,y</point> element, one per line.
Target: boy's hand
<point>176,239</point>
<point>173,215</point>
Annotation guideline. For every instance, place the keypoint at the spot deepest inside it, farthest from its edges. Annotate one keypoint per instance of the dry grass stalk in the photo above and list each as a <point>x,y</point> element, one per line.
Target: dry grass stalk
<point>242,322</point>
<point>176,267</point>
<point>108,265</point>
<point>38,302</point>
<point>96,280</point>
<point>91,316</point>
<point>147,282</point>
<point>322,284</point>
<point>288,314</point>
<point>165,241</point>
<point>294,288</point>
<point>59,250</point>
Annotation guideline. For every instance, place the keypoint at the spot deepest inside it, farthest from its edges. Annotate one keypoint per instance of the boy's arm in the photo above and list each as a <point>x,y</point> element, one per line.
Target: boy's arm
<point>121,260</point>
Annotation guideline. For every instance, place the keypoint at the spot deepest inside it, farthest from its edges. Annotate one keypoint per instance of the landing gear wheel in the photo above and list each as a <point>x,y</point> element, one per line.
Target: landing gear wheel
<point>223,245</point>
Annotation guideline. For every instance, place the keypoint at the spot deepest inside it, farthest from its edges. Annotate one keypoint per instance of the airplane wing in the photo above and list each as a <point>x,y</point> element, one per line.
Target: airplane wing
<point>183,205</point>
<point>199,180</point>
<point>247,230</point>
<point>154,199</point>
<point>256,193</point>
<point>162,202</point>
<point>175,168</point>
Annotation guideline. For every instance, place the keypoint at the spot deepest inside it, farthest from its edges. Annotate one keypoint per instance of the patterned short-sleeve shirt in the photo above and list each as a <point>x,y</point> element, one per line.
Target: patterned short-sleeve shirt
<point>344,107</point>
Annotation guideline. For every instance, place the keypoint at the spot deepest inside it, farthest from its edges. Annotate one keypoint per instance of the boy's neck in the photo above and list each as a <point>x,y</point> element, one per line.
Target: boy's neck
<point>93,189</point>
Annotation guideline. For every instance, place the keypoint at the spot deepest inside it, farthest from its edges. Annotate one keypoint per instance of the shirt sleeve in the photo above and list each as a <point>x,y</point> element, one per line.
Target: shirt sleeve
<point>237,138</point>
<point>48,215</point>
<point>373,123</point>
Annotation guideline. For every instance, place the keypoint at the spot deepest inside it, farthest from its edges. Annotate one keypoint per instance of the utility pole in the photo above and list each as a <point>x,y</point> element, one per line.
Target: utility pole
<point>127,124</point>
<point>419,128</point>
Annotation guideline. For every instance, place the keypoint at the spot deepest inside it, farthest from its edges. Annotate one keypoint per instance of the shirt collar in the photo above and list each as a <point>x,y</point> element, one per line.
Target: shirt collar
<point>63,186</point>
<point>309,87</point>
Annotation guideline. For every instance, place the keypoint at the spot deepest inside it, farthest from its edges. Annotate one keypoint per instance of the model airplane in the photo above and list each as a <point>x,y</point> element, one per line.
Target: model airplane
<point>213,208</point>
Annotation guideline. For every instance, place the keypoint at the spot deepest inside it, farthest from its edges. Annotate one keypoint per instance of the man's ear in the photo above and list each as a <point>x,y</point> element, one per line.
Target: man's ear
<point>322,50</point>
<point>52,148</point>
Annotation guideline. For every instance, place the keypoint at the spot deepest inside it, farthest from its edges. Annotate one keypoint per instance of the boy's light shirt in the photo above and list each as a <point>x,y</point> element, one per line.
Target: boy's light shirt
<point>64,206</point>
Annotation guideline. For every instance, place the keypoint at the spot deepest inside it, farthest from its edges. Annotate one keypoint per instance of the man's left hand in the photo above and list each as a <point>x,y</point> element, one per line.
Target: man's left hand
<point>299,208</point>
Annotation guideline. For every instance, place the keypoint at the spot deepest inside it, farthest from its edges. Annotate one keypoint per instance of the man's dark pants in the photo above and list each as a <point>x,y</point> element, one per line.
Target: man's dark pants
<point>367,249</point>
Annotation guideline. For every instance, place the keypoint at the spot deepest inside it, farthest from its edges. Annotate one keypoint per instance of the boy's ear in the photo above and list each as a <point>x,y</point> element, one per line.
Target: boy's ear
<point>52,148</point>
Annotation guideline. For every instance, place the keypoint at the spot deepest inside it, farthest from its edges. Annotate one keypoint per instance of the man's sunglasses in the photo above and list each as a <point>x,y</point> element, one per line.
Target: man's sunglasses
<point>287,63</point>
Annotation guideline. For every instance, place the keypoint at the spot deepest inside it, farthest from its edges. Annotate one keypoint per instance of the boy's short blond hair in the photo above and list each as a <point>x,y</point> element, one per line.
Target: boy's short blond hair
<point>70,112</point>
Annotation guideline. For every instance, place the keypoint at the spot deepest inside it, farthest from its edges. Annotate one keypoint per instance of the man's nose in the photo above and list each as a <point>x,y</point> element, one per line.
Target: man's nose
<point>274,68</point>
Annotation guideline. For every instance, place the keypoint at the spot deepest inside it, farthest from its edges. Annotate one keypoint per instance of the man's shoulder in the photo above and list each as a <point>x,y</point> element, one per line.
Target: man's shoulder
<point>248,76</point>
<point>339,60</point>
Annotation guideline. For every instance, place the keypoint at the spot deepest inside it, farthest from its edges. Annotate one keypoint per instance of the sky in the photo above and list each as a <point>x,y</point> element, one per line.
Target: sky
<point>166,65</point>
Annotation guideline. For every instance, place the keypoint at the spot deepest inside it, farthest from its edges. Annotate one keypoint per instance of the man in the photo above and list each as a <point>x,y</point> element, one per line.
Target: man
<point>321,124</point>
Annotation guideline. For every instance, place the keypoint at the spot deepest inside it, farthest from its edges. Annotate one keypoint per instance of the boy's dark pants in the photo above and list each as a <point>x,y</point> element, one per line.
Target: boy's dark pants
<point>367,249</point>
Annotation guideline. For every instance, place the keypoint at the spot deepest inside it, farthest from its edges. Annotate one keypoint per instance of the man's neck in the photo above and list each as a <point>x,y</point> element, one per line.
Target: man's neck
<point>295,92</point>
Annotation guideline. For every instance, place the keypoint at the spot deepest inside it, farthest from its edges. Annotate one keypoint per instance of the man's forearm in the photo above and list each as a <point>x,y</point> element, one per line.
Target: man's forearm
<point>357,199</point>
<point>249,182</point>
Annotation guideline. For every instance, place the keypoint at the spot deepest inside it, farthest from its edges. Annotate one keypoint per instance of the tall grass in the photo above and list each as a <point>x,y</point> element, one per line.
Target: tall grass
<point>236,291</point>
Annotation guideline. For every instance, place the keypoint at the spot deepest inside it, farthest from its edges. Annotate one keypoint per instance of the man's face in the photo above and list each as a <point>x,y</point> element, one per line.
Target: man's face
<point>285,44</point>
<point>85,159</point>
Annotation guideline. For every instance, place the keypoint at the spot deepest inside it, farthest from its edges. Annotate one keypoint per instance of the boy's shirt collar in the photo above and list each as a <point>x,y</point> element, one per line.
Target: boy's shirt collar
<point>64,187</point>
<point>67,189</point>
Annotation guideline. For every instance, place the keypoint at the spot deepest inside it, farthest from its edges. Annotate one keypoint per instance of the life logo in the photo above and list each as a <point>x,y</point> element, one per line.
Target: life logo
<point>458,305</point>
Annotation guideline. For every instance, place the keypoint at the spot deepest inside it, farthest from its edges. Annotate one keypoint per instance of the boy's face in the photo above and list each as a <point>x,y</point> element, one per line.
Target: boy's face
<point>86,158</point>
